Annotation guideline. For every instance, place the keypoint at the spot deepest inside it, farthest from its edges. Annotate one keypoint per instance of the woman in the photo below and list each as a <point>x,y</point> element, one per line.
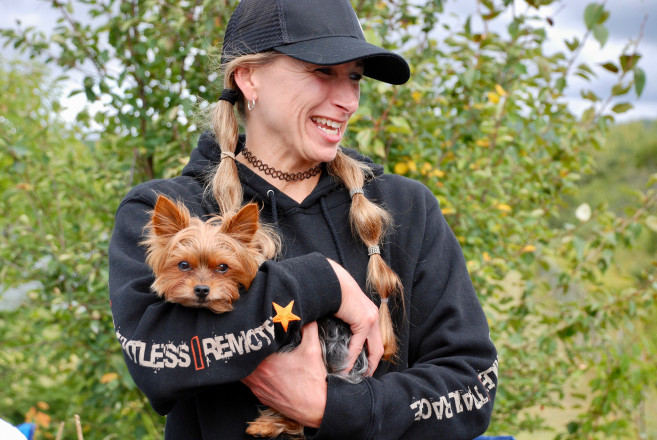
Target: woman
<point>293,68</point>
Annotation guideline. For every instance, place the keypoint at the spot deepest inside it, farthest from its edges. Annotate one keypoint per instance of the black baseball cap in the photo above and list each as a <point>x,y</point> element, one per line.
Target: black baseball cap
<point>324,32</point>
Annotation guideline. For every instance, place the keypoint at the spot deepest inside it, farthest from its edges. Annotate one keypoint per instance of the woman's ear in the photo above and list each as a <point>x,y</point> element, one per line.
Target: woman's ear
<point>246,81</point>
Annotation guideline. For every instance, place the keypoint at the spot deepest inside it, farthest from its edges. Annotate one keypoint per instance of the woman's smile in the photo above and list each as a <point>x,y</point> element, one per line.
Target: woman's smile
<point>328,126</point>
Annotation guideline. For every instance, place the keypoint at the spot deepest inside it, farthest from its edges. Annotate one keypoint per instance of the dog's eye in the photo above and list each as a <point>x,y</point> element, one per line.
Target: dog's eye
<point>184,266</point>
<point>222,268</point>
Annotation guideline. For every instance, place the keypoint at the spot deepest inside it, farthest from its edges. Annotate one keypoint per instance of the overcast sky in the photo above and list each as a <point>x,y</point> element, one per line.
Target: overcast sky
<point>567,15</point>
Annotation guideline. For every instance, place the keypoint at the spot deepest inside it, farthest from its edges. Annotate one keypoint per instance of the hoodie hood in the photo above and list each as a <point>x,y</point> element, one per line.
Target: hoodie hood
<point>207,154</point>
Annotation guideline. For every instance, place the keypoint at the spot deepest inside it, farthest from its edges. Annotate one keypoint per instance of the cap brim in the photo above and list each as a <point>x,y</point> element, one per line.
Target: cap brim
<point>379,63</point>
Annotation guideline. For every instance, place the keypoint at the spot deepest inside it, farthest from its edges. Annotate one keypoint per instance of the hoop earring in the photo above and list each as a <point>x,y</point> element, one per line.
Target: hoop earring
<point>250,104</point>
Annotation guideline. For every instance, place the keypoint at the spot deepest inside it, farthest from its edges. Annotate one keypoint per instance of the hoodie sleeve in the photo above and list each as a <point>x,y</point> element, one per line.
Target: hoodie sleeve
<point>173,351</point>
<point>448,389</point>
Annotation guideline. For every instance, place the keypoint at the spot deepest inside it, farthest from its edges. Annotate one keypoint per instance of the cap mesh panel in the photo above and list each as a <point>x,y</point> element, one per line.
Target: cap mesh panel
<point>255,27</point>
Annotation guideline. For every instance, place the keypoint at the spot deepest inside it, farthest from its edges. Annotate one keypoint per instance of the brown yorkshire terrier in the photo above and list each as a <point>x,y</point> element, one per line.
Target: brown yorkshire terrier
<point>204,264</point>
<point>201,264</point>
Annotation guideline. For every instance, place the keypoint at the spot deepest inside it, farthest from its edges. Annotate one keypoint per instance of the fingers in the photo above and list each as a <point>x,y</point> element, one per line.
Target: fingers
<point>362,315</point>
<point>309,333</point>
<point>294,383</point>
<point>367,333</point>
<point>374,348</point>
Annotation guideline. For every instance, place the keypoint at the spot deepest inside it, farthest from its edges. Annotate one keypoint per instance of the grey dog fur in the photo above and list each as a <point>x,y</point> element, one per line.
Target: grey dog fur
<point>334,337</point>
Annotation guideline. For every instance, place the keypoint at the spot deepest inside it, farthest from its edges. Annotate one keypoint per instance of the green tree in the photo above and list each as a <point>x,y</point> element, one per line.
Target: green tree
<point>626,163</point>
<point>483,123</point>
<point>58,196</point>
<point>489,131</point>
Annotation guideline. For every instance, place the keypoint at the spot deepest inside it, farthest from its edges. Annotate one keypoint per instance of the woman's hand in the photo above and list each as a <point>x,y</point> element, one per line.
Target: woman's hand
<point>362,315</point>
<point>294,383</point>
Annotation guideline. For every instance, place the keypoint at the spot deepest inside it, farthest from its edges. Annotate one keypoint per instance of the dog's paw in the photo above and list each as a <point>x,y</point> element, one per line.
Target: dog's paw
<point>271,424</point>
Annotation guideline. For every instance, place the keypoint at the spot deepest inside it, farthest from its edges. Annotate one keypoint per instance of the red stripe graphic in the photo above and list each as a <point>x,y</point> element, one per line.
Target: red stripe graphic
<point>196,346</point>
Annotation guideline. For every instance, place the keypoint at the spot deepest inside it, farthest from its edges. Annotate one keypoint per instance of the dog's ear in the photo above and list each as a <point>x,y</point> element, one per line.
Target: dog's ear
<point>244,224</point>
<point>169,217</point>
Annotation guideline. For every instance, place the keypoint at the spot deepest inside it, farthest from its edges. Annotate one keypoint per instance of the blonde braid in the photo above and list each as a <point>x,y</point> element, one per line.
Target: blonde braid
<point>369,221</point>
<point>225,185</point>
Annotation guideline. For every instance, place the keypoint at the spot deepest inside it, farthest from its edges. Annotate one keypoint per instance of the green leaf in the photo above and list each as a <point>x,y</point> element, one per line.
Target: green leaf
<point>639,80</point>
<point>589,95</point>
<point>622,107</point>
<point>104,87</point>
<point>88,88</point>
<point>620,89</point>
<point>580,245</point>
<point>400,122</point>
<point>601,33</point>
<point>651,222</point>
<point>364,137</point>
<point>18,151</point>
<point>468,27</point>
<point>592,15</point>
<point>379,148</point>
<point>469,77</point>
<point>173,113</point>
<point>652,179</point>
<point>514,29</point>
<point>610,67</point>
<point>628,62</point>
<point>572,45</point>
<point>586,68</point>
<point>561,84</point>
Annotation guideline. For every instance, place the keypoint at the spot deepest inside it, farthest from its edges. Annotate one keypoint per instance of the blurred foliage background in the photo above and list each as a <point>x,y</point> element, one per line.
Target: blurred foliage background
<point>556,212</point>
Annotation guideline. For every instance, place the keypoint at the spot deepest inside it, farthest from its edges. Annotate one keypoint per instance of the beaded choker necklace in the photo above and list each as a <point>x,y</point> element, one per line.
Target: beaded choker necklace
<point>276,174</point>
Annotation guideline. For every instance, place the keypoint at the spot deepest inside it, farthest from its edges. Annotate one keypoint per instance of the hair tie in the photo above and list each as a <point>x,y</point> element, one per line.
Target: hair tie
<point>384,300</point>
<point>355,191</point>
<point>225,154</point>
<point>373,250</point>
<point>229,95</point>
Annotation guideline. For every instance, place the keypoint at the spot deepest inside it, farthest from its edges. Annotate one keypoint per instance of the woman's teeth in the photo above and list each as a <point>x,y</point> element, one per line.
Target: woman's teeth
<point>328,126</point>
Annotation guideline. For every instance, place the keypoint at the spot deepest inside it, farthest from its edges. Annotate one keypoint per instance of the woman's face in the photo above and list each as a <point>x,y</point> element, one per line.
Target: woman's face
<point>301,110</point>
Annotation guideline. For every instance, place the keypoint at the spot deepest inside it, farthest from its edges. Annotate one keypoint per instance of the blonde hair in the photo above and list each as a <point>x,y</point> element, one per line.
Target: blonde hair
<point>225,183</point>
<point>369,221</point>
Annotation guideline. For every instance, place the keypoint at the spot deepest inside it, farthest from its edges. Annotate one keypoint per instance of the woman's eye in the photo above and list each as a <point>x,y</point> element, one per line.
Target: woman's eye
<point>323,70</point>
<point>356,76</point>
<point>184,266</point>
<point>222,268</point>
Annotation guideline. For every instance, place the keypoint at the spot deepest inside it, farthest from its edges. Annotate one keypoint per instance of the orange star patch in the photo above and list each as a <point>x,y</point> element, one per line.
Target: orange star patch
<point>284,315</point>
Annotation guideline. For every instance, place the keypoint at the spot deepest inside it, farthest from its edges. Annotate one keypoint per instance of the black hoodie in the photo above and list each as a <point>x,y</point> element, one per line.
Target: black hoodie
<point>189,361</point>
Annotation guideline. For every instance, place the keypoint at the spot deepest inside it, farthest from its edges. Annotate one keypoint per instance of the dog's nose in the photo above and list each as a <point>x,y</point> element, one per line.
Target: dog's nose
<point>201,290</point>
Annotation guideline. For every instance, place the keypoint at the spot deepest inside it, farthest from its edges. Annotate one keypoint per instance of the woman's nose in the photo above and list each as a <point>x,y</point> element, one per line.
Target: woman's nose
<point>346,94</point>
